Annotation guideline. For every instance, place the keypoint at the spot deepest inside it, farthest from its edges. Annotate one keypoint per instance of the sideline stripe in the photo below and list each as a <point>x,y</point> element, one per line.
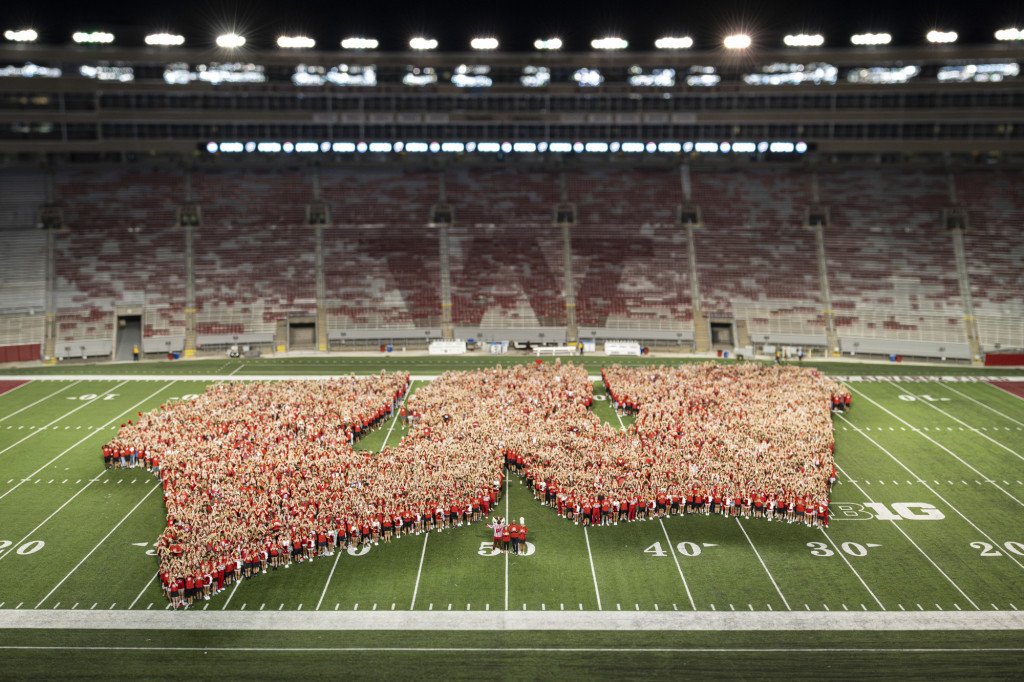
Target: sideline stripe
<point>694,650</point>
<point>815,621</point>
<point>758,555</point>
<point>8,416</point>
<point>941,446</point>
<point>923,553</point>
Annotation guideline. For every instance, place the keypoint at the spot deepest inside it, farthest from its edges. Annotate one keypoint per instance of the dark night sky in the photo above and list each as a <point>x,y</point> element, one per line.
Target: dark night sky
<point>516,24</point>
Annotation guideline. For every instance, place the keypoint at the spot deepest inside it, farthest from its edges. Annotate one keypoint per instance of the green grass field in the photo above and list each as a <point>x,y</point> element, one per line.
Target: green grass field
<point>928,521</point>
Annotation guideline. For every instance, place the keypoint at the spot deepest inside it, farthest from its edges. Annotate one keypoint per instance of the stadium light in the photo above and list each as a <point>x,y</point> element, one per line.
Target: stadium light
<point>871,39</point>
<point>941,37</point>
<point>25,36</point>
<point>804,40</point>
<point>674,43</point>
<point>423,43</point>
<point>360,43</point>
<point>1010,34</point>
<point>609,43</point>
<point>484,43</point>
<point>548,44</point>
<point>738,41</point>
<point>296,42</point>
<point>93,37</point>
<point>164,39</point>
<point>230,40</point>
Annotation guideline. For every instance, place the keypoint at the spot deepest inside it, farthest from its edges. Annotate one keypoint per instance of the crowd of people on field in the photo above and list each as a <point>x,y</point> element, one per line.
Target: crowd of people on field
<point>258,476</point>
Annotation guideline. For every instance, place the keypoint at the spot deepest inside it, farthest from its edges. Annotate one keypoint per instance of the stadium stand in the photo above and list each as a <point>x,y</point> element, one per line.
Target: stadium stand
<point>889,259</point>
<point>381,276</point>
<point>891,264</point>
<point>755,261</point>
<point>994,249</point>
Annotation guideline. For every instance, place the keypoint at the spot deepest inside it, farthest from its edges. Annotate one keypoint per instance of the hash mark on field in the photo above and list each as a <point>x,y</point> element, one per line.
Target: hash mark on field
<point>373,609</point>
<point>450,606</point>
<point>826,607</point>
<point>56,605</point>
<point>995,608</point>
<point>844,608</point>
<point>712,607</point>
<point>543,607</point>
<point>281,607</point>
<point>112,606</point>
<point>76,606</point>
<point>807,606</point>
<point>770,608</point>
<point>938,607</point>
<point>262,605</point>
<point>97,603</point>
<point>957,606</point>
<point>1013,607</point>
<point>392,606</point>
<point>430,608</point>
<point>205,606</point>
<point>731,607</point>
<point>581,607</point>
<point>920,608</point>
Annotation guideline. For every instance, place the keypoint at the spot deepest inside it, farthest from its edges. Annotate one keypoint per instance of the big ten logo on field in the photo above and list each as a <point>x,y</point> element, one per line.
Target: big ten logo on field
<point>897,511</point>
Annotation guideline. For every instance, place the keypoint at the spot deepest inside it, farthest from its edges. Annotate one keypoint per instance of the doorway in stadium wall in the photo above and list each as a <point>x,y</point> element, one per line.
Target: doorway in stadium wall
<point>129,338</point>
<point>722,335</point>
<point>302,334</point>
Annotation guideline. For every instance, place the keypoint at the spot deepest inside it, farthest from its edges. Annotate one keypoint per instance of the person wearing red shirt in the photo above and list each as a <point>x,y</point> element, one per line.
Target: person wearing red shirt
<point>522,534</point>
<point>513,534</point>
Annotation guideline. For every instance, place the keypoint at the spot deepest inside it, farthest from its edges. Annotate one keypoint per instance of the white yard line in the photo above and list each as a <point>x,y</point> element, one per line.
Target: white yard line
<point>930,489</point>
<point>233,589</point>
<point>843,557</point>
<point>946,386</point>
<point>235,371</point>
<point>581,650</point>
<point>443,620</point>
<point>963,423</point>
<point>419,572</point>
<point>86,486</point>
<point>94,432</point>
<point>989,479</point>
<point>146,587</point>
<point>337,555</point>
<point>758,555</point>
<point>66,414</point>
<point>902,532</point>
<point>123,519</point>
<point>672,548</point>
<point>6,417</point>
<point>597,592</point>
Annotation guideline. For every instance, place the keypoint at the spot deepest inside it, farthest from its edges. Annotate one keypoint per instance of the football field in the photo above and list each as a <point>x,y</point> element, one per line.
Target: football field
<point>922,564</point>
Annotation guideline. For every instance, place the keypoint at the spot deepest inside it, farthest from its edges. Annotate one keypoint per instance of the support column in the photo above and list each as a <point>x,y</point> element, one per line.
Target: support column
<point>826,292</point>
<point>447,328</point>
<point>190,295</point>
<point>50,329</point>
<point>321,292</point>
<point>701,331</point>
<point>571,330</point>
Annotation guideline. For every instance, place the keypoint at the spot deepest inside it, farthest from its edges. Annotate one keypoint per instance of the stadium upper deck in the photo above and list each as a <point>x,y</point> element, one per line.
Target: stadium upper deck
<point>861,99</point>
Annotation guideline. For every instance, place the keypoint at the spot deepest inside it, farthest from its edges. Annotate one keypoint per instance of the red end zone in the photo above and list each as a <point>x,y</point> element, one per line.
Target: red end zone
<point>10,385</point>
<point>1012,387</point>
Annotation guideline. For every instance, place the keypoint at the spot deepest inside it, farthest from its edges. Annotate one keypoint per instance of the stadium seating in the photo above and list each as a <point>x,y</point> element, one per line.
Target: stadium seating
<point>890,262</point>
<point>381,277</point>
<point>755,261</point>
<point>994,249</point>
<point>892,270</point>
<point>631,276</point>
<point>507,275</point>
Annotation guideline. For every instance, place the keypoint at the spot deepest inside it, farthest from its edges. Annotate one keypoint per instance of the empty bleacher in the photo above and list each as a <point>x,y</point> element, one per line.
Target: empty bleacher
<point>994,250</point>
<point>892,270</point>
<point>755,260</point>
<point>381,277</point>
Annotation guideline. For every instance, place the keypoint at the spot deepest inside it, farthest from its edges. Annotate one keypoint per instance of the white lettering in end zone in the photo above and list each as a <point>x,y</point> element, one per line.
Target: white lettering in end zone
<point>900,511</point>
